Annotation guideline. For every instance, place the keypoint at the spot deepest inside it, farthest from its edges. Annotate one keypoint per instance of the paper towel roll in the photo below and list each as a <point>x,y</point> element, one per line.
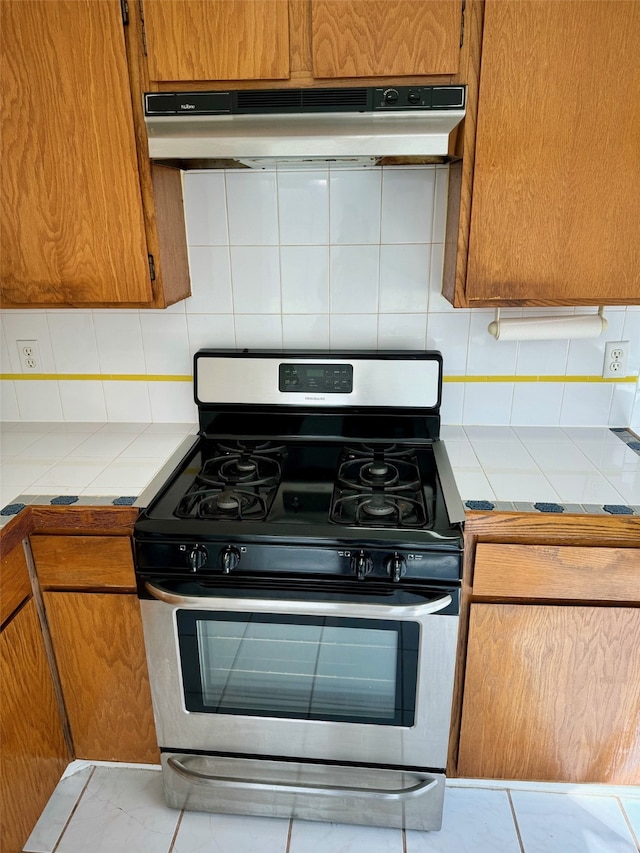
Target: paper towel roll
<point>548,328</point>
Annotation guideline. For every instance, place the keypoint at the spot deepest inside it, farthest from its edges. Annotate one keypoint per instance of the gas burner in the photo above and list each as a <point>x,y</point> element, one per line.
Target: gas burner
<point>235,470</point>
<point>377,506</point>
<point>379,451</point>
<point>250,448</point>
<point>245,465</point>
<point>237,481</point>
<point>379,510</point>
<point>236,504</point>
<point>379,486</point>
<point>378,473</point>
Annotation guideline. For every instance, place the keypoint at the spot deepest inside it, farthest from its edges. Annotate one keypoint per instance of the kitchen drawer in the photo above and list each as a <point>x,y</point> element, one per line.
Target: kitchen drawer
<point>84,562</point>
<point>16,586</point>
<point>555,572</point>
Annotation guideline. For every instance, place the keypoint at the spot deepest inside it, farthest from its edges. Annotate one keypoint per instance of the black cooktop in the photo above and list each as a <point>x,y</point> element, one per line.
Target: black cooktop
<point>326,490</point>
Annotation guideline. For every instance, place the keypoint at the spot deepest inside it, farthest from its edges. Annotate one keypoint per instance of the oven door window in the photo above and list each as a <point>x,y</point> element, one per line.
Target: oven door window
<point>299,667</point>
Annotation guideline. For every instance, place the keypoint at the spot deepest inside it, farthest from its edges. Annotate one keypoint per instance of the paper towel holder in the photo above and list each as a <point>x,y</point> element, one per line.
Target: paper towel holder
<point>550,327</point>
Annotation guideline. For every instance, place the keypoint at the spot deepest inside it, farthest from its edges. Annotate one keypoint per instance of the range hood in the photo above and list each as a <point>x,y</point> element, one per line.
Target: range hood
<point>304,125</point>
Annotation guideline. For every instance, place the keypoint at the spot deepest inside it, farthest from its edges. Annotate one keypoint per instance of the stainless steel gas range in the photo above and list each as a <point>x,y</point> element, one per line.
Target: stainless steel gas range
<point>299,575</point>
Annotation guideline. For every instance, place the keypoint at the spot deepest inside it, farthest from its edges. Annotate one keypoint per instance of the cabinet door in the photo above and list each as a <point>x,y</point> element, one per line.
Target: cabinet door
<point>99,648</point>
<point>71,208</point>
<point>552,693</point>
<point>34,752</point>
<point>366,38</point>
<point>221,40</point>
<point>556,188</point>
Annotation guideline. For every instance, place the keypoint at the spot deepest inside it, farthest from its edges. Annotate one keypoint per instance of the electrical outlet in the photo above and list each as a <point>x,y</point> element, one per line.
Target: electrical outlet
<point>615,359</point>
<point>29,356</point>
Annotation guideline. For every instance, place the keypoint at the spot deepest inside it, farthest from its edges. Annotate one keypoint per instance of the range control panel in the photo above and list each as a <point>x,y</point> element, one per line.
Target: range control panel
<point>303,378</point>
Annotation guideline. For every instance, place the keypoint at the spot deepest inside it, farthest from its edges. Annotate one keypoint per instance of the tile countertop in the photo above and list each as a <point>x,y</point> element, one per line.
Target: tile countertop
<point>581,469</point>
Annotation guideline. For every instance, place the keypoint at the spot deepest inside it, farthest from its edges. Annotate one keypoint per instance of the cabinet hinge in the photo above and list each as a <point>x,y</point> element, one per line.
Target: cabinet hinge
<point>143,30</point>
<point>124,11</point>
<point>152,268</point>
<point>464,4</point>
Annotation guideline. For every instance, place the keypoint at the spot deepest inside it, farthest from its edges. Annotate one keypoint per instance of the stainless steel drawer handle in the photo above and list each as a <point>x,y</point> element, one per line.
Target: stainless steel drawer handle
<point>402,795</point>
<point>261,605</point>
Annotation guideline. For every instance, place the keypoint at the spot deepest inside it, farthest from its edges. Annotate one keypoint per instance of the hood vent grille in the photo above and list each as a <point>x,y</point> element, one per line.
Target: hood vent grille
<point>301,99</point>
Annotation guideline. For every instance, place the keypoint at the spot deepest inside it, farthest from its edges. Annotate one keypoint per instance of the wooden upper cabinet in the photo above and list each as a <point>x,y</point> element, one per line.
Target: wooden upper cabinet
<point>368,38</point>
<point>555,215</point>
<point>72,220</point>
<point>217,39</point>
<point>82,208</point>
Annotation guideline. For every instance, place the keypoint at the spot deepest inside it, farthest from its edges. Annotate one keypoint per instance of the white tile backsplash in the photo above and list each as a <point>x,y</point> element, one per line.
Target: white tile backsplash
<point>354,207</point>
<point>303,208</point>
<point>305,331</point>
<point>318,257</point>
<point>255,272</point>
<point>404,278</point>
<point>119,342</point>
<point>407,205</point>
<point>252,206</point>
<point>210,266</point>
<point>73,340</point>
<point>205,208</point>
<point>304,275</point>
<point>354,279</point>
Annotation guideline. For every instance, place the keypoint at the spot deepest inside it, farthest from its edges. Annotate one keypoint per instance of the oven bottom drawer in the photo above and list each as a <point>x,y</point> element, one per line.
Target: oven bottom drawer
<point>360,795</point>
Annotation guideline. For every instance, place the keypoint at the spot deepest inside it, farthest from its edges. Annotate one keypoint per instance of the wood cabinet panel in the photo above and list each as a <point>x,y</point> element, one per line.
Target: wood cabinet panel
<point>84,562</point>
<point>557,572</point>
<point>99,649</point>
<point>556,187</point>
<point>221,40</point>
<point>15,585</point>
<point>365,38</point>
<point>34,753</point>
<point>72,222</point>
<point>552,693</point>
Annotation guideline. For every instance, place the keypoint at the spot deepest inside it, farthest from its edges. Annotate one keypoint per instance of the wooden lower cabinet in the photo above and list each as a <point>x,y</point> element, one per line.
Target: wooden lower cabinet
<point>99,649</point>
<point>33,752</point>
<point>551,692</point>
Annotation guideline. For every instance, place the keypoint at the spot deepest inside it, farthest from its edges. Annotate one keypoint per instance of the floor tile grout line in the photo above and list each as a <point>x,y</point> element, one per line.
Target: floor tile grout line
<point>288,844</point>
<point>534,787</point>
<point>515,821</point>
<point>74,809</point>
<point>176,831</point>
<point>635,838</point>
<point>404,840</point>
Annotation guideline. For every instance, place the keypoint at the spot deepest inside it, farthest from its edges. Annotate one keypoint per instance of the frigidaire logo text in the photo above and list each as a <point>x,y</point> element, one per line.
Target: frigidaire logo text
<point>315,398</point>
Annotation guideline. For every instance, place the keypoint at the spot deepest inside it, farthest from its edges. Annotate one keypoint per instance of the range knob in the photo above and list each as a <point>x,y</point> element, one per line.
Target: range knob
<point>197,557</point>
<point>229,557</point>
<point>391,96</point>
<point>361,565</point>
<point>396,566</point>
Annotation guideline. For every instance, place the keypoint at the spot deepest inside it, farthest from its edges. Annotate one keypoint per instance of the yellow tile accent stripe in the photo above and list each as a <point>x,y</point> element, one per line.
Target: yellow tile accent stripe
<point>514,379</point>
<point>97,377</point>
<point>158,377</point>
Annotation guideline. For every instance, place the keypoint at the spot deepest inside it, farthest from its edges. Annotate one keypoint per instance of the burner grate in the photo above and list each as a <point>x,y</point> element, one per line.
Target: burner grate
<point>379,487</point>
<point>238,482</point>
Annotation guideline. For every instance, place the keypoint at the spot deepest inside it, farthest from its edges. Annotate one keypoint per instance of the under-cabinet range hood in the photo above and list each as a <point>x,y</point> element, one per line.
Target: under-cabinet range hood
<point>257,127</point>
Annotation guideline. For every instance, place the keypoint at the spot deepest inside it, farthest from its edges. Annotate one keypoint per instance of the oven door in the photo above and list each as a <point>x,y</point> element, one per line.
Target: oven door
<point>346,677</point>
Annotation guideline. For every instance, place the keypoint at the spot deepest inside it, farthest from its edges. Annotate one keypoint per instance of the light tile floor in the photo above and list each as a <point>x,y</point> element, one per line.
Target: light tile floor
<point>113,809</point>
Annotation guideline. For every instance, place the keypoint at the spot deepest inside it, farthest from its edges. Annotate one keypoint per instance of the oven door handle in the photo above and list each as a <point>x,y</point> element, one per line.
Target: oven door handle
<point>389,794</point>
<point>332,608</point>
